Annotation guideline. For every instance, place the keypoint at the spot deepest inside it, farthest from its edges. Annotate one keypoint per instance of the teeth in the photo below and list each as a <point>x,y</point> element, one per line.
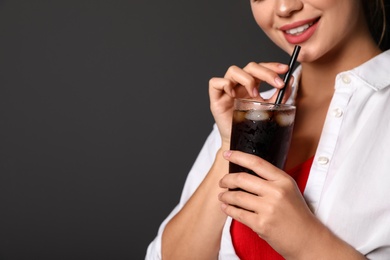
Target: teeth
<point>299,29</point>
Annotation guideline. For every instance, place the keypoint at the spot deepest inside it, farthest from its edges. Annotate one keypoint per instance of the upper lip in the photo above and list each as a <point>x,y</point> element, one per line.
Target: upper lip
<point>297,24</point>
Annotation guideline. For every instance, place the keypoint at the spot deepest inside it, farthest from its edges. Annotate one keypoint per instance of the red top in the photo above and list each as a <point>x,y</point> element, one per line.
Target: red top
<point>247,244</point>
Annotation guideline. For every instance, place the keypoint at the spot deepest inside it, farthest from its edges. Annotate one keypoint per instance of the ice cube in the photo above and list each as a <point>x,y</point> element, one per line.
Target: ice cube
<point>284,119</point>
<point>238,116</point>
<point>257,115</point>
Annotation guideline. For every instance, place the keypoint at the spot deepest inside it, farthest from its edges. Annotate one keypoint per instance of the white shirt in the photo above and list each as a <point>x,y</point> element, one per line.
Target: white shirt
<point>348,188</point>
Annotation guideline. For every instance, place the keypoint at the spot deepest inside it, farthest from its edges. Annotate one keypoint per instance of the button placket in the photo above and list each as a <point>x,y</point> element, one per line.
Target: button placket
<point>334,119</point>
<point>337,112</point>
<point>346,79</point>
<point>323,160</point>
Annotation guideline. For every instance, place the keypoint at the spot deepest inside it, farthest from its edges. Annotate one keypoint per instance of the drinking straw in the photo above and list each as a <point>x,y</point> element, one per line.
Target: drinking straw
<point>287,76</point>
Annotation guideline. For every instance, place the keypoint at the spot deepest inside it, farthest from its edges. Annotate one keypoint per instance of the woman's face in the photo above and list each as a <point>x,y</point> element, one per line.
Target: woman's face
<point>318,26</point>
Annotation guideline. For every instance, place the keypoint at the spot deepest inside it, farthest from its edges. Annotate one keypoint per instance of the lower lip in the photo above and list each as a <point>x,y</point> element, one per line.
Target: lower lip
<point>296,39</point>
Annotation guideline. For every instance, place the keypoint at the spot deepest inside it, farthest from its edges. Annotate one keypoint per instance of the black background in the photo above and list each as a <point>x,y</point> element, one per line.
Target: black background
<point>103,109</point>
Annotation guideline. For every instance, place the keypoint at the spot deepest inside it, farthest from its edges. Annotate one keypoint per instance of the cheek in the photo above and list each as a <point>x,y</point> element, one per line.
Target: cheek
<point>262,15</point>
<point>264,20</point>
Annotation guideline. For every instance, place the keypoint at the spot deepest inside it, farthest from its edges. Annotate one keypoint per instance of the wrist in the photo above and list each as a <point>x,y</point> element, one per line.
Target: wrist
<point>322,243</point>
<point>225,145</point>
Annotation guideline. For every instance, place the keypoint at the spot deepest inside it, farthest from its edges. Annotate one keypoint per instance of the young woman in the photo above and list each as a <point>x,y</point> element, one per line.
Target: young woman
<point>332,199</point>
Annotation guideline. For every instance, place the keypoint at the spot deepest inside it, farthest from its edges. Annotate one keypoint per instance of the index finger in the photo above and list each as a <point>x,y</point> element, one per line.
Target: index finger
<point>260,166</point>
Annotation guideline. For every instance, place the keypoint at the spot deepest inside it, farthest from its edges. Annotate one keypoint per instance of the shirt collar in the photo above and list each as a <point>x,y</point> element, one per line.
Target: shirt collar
<point>374,73</point>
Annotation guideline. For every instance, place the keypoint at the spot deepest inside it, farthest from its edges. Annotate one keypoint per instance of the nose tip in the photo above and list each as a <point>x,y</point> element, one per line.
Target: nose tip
<point>286,8</point>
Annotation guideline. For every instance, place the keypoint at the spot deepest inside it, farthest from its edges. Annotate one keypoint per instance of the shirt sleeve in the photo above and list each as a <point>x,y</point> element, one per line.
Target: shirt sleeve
<point>196,175</point>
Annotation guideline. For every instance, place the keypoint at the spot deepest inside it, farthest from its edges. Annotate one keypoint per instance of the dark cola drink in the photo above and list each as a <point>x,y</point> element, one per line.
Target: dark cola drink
<point>262,129</point>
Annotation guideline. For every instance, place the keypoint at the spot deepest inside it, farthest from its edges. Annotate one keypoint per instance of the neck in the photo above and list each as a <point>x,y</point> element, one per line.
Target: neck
<point>317,78</point>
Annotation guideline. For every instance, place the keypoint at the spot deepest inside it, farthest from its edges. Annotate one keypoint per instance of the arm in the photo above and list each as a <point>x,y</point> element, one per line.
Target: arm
<point>198,172</point>
<point>195,232</point>
<point>220,101</point>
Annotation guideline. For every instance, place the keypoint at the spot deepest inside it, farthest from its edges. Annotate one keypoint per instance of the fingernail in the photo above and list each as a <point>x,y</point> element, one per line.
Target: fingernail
<point>279,82</point>
<point>227,154</point>
<point>255,92</point>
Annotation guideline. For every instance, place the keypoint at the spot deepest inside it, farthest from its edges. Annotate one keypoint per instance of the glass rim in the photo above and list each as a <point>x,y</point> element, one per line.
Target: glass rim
<point>262,103</point>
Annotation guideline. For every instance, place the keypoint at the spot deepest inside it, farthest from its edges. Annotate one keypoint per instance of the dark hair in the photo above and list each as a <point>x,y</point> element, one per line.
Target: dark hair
<point>375,11</point>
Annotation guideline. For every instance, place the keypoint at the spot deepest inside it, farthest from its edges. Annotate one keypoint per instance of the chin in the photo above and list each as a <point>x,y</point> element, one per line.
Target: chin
<point>310,54</point>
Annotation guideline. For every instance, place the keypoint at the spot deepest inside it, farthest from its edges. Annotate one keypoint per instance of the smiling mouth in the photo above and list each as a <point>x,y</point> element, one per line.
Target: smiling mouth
<point>300,29</point>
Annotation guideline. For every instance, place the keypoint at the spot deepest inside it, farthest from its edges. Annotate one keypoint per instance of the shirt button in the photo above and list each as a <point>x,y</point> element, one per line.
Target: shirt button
<point>323,160</point>
<point>337,112</point>
<point>346,79</point>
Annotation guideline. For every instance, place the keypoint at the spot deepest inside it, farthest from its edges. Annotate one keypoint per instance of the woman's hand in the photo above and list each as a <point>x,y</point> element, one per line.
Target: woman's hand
<point>273,206</point>
<point>241,83</point>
